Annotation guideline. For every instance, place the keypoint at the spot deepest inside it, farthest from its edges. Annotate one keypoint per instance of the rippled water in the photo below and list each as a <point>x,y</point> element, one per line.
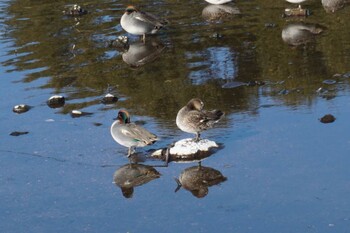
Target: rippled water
<point>279,168</point>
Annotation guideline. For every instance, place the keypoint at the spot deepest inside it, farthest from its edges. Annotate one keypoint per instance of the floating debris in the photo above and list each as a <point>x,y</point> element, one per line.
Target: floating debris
<point>290,12</point>
<point>75,10</point>
<point>18,133</point>
<point>77,113</point>
<point>97,124</point>
<point>56,101</point>
<point>21,108</point>
<point>329,81</point>
<point>109,99</point>
<point>328,118</point>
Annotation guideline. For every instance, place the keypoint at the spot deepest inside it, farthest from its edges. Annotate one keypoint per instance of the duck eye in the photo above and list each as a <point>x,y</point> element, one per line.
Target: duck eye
<point>130,10</point>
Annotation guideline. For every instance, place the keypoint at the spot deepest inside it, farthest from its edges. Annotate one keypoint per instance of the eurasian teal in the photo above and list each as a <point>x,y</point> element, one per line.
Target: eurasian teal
<point>193,119</point>
<point>216,2</point>
<point>140,23</point>
<point>129,134</point>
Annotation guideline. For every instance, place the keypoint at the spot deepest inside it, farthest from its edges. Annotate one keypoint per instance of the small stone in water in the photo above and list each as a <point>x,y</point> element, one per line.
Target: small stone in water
<point>56,101</point>
<point>77,113</point>
<point>21,108</point>
<point>109,99</point>
<point>329,81</point>
<point>18,133</point>
<point>328,118</point>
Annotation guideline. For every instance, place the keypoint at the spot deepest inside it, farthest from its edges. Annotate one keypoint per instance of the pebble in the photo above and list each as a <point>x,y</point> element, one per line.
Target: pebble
<point>77,113</point>
<point>56,101</point>
<point>21,108</point>
<point>328,118</point>
<point>109,99</point>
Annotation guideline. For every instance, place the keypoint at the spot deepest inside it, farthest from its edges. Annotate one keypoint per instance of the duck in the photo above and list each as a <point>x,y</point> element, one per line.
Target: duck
<point>129,134</point>
<point>218,2</point>
<point>192,118</point>
<point>140,23</point>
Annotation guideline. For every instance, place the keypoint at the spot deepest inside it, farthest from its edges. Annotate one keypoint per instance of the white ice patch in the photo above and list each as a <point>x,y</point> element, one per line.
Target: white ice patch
<point>188,146</point>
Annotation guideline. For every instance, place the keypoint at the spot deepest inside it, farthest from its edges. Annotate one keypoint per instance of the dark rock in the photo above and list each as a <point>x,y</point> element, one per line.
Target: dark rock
<point>328,118</point>
<point>56,101</point>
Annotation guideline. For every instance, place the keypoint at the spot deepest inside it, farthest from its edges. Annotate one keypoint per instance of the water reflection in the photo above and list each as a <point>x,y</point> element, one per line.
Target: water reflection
<point>140,53</point>
<point>220,63</point>
<point>332,6</point>
<point>300,33</point>
<point>130,175</point>
<point>218,13</point>
<point>198,179</point>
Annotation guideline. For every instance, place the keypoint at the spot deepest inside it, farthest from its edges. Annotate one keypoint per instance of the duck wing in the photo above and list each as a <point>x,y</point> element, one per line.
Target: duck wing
<point>149,18</point>
<point>139,134</point>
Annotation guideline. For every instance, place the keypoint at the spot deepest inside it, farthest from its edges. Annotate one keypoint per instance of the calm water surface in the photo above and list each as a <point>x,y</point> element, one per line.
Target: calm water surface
<point>286,171</point>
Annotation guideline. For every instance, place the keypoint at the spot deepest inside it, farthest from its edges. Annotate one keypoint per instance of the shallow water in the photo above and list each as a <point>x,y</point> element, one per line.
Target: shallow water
<point>286,171</point>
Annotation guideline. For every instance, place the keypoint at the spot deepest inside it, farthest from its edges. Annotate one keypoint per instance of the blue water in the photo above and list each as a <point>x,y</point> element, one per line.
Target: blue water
<point>286,171</point>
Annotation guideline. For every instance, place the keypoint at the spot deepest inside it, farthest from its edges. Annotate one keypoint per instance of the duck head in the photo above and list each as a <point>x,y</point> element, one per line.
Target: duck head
<point>195,104</point>
<point>130,9</point>
<point>123,117</point>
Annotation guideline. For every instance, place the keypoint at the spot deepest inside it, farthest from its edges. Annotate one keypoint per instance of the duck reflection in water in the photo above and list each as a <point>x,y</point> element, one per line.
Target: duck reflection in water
<point>140,53</point>
<point>217,13</point>
<point>129,176</point>
<point>332,6</point>
<point>198,179</point>
<point>300,33</point>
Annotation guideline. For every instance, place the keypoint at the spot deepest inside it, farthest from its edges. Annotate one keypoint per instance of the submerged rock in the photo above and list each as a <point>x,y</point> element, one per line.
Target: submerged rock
<point>328,118</point>
<point>186,150</point>
<point>18,133</point>
<point>21,108</point>
<point>198,179</point>
<point>56,101</point>
<point>130,175</point>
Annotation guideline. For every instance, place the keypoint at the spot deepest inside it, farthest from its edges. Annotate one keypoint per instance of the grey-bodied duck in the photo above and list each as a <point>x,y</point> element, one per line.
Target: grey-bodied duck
<point>129,134</point>
<point>140,23</point>
<point>192,118</point>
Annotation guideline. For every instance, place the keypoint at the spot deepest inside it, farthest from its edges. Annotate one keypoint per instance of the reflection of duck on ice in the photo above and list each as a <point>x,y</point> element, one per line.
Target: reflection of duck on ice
<point>198,179</point>
<point>130,175</point>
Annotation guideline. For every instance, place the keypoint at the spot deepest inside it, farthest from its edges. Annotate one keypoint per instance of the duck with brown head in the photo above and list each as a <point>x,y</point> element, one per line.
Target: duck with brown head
<point>192,118</point>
